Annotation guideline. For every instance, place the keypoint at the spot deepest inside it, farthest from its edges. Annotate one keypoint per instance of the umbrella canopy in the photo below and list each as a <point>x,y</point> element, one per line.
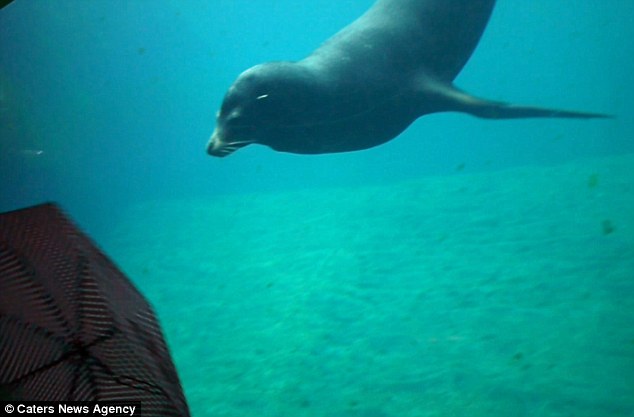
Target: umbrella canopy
<point>72,326</point>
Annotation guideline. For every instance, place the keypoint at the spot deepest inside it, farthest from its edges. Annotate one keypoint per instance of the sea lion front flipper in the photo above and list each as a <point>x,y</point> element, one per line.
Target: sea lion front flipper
<point>453,99</point>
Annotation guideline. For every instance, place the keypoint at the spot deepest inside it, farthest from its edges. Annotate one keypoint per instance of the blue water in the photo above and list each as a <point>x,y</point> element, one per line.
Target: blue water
<point>106,107</point>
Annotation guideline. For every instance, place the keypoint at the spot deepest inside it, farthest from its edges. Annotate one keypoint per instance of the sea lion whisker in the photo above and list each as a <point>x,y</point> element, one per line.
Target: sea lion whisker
<point>239,143</point>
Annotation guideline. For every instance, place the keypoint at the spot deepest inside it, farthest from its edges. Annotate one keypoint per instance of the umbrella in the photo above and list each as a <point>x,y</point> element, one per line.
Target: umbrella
<point>72,326</point>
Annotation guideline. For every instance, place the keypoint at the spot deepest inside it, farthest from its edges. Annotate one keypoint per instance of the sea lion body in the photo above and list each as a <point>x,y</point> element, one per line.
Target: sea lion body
<point>366,84</point>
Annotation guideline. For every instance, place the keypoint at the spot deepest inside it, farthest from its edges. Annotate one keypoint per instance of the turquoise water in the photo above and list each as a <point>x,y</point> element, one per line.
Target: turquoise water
<point>468,267</point>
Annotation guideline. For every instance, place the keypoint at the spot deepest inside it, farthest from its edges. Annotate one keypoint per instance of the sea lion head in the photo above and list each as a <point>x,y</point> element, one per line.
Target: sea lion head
<point>261,103</point>
<point>235,122</point>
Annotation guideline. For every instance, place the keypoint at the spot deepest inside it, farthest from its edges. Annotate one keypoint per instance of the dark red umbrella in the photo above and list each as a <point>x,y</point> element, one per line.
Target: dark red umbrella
<point>72,326</point>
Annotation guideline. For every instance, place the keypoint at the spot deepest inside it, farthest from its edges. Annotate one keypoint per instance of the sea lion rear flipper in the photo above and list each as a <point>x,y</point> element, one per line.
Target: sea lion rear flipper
<point>457,100</point>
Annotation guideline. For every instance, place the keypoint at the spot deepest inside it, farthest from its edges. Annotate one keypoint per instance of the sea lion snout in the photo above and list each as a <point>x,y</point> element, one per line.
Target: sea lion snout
<point>215,145</point>
<point>218,146</point>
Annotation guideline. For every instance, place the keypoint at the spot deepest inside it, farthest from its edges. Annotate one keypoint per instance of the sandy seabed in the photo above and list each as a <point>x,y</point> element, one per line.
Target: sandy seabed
<point>495,294</point>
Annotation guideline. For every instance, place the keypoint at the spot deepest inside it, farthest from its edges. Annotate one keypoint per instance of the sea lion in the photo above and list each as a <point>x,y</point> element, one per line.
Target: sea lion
<point>366,84</point>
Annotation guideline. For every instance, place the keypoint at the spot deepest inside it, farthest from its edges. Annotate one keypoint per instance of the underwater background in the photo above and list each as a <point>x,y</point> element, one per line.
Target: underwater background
<point>468,267</point>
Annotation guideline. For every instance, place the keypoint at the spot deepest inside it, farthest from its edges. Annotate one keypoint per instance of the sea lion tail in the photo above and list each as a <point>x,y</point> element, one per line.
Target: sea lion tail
<point>457,100</point>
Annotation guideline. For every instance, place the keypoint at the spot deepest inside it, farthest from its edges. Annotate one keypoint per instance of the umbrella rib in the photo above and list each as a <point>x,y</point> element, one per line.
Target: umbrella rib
<point>27,269</point>
<point>66,355</point>
<point>82,275</point>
